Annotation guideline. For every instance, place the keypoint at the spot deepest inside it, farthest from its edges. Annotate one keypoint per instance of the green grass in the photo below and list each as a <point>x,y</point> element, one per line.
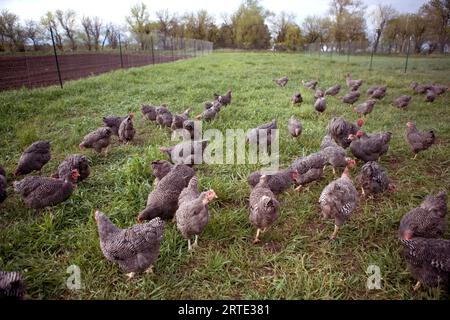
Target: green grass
<point>295,260</point>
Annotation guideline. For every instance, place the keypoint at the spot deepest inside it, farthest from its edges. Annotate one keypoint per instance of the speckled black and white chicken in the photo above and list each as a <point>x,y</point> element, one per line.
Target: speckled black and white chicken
<point>420,88</point>
<point>149,112</point>
<point>210,113</point>
<point>334,90</point>
<point>339,129</point>
<point>264,130</point>
<point>352,84</point>
<point>309,168</point>
<point>33,158</point>
<point>126,129</point>
<point>310,84</point>
<point>297,98</point>
<point>224,99</point>
<point>264,207</point>
<point>320,105</point>
<point>428,261</point>
<point>192,214</point>
<point>113,122</point>
<point>163,200</point>
<point>190,126</point>
<point>282,81</point>
<point>336,157</point>
<point>161,168</point>
<point>98,139</point>
<point>373,179</point>
<point>351,97</point>
<point>428,220</point>
<point>338,200</point>
<point>188,152</point>
<point>40,192</point>
<point>134,249</point>
<point>402,102</point>
<point>379,93</point>
<point>419,140</point>
<point>294,127</point>
<point>163,116</point>
<point>369,147</point>
<point>365,107</point>
<point>3,185</point>
<point>178,120</point>
<point>430,95</point>
<point>70,163</point>
<point>278,181</point>
<point>319,93</point>
<point>12,286</point>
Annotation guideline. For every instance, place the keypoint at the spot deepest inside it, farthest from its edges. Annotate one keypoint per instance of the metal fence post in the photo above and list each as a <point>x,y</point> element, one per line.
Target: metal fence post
<point>153,49</point>
<point>56,58</point>
<point>120,51</point>
<point>184,46</point>
<point>171,44</point>
<point>407,54</point>
<point>195,47</point>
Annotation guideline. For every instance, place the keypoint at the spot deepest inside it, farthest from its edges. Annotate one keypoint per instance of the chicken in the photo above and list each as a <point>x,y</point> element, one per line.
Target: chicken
<point>72,162</point>
<point>336,157</point>
<point>297,98</point>
<point>369,148</point>
<point>163,116</point>
<point>339,199</point>
<point>352,84</point>
<point>40,192</point>
<point>189,125</point>
<point>264,130</point>
<point>225,99</point>
<point>320,105</point>
<point>161,168</point>
<point>33,158</point>
<point>334,90</point>
<point>277,182</point>
<point>339,130</point>
<point>309,176</point>
<point>402,101</point>
<point>210,113</point>
<point>113,122</point>
<point>163,200</point>
<point>374,179</point>
<point>428,261</point>
<point>428,220</point>
<point>371,90</point>
<point>98,139</point>
<point>282,81</point>
<point>366,107</point>
<point>3,185</point>
<point>264,207</point>
<point>188,152</point>
<point>419,140</point>
<point>309,168</point>
<point>430,96</point>
<point>351,97</point>
<point>126,129</point>
<point>379,93</point>
<point>295,127</point>
<point>11,286</point>
<point>420,89</point>
<point>192,215</point>
<point>178,120</point>
<point>134,249</point>
<point>310,84</point>
<point>439,89</point>
<point>149,112</point>
<point>319,94</point>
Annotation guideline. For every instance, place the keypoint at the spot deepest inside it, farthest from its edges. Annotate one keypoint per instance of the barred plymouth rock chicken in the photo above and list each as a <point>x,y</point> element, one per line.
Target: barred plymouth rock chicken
<point>339,130</point>
<point>328,141</point>
<point>430,96</point>
<point>371,90</point>
<point>319,94</point>
<point>264,207</point>
<point>336,157</point>
<point>149,112</point>
<point>98,139</point>
<point>351,97</point>
<point>338,200</point>
<point>320,105</point>
<point>188,152</point>
<point>309,168</point>
<point>161,168</point>
<point>192,215</point>
<point>374,179</point>
<point>402,101</point>
<point>126,129</point>
<point>3,185</point>
<point>189,125</point>
<point>277,182</point>
<point>163,200</point>
<point>11,285</point>
<point>428,261</point>
<point>309,176</point>
<point>113,122</point>
<point>34,158</point>
<point>282,81</point>
<point>420,89</point>
<point>352,84</point>
<point>379,93</point>
<point>164,116</point>
<point>73,161</point>
<point>262,130</point>
<point>310,84</point>
<point>334,90</point>
<point>369,147</point>
<point>419,140</point>
<point>366,107</point>
<point>439,89</point>
<point>40,192</point>
<point>224,99</point>
<point>178,120</point>
<point>134,249</point>
<point>295,127</point>
<point>297,98</point>
<point>428,220</point>
<point>210,113</point>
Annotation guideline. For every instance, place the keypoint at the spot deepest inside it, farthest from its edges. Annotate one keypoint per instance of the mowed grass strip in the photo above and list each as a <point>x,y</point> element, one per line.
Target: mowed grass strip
<point>294,260</point>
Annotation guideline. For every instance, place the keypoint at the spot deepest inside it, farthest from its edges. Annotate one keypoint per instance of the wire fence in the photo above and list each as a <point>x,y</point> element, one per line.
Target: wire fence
<point>50,65</point>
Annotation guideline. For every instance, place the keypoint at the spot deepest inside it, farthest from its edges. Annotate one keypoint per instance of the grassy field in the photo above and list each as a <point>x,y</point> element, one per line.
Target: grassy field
<point>295,259</point>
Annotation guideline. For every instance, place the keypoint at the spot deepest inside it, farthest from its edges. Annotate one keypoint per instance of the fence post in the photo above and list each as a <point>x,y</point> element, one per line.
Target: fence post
<point>120,51</point>
<point>195,48</point>
<point>407,54</point>
<point>184,46</point>
<point>153,50</point>
<point>56,58</point>
<point>171,44</point>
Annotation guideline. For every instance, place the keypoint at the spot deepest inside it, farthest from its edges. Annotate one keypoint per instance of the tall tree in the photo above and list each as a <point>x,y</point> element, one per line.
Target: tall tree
<point>49,21</point>
<point>86,23</point>
<point>11,31</point>
<point>33,32</point>
<point>138,21</point>
<point>380,17</point>
<point>437,15</point>
<point>67,22</point>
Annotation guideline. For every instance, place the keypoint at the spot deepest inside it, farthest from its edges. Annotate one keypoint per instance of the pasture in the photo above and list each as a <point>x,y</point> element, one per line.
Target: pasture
<point>295,259</point>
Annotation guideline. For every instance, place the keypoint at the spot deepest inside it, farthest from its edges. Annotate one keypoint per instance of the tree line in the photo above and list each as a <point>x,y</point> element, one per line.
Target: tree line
<point>251,26</point>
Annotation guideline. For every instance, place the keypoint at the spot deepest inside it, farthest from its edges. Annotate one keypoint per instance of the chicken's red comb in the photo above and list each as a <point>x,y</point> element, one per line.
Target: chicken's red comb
<point>360,122</point>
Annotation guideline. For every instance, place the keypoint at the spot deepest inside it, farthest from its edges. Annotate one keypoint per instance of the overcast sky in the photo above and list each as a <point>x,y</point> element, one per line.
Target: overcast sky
<point>116,10</point>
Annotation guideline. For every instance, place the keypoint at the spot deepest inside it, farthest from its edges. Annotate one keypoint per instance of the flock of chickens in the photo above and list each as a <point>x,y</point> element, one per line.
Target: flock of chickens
<point>176,194</point>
